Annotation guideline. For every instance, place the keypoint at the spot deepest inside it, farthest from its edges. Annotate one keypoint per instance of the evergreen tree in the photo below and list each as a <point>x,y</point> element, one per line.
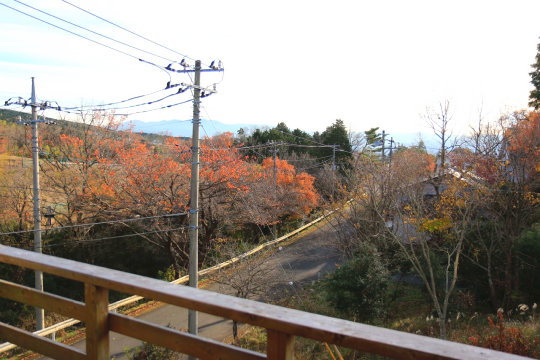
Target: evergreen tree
<point>534,97</point>
<point>374,139</point>
<point>336,134</point>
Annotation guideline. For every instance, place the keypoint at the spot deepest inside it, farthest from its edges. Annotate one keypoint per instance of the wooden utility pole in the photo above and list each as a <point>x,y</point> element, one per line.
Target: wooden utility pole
<point>40,313</point>
<point>194,206</point>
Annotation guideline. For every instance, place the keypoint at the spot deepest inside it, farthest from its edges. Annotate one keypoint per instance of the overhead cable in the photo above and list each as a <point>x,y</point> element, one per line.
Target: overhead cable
<point>114,237</point>
<point>94,32</point>
<point>125,29</point>
<point>98,223</point>
<point>73,33</point>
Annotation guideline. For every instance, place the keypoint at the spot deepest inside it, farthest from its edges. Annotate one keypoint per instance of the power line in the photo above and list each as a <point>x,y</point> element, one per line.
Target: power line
<point>155,109</point>
<point>125,100</point>
<point>311,140</point>
<point>116,237</point>
<point>93,32</point>
<point>99,223</point>
<point>29,188</point>
<point>128,114</point>
<point>81,36</point>
<point>150,125</point>
<point>127,30</point>
<point>133,106</point>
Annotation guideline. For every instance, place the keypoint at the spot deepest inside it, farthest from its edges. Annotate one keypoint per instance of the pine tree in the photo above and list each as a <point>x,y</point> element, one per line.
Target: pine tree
<point>534,97</point>
<point>336,134</point>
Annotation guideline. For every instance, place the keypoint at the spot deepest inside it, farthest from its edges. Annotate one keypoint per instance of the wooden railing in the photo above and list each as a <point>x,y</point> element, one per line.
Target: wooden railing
<point>53,329</point>
<point>282,324</point>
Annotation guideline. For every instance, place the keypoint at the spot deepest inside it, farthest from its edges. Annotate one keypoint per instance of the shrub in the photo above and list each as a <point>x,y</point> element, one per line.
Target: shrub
<point>507,339</point>
<point>359,286</point>
<point>152,352</point>
<point>529,253</point>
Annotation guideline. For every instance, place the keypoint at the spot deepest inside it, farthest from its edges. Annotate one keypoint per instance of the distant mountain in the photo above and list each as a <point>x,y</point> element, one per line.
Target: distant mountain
<point>183,128</point>
<point>411,139</point>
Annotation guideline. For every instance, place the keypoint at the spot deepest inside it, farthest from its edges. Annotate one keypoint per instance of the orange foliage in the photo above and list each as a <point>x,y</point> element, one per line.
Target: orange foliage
<point>506,339</point>
<point>524,141</point>
<point>411,164</point>
<point>121,174</point>
<point>223,164</point>
<point>137,176</point>
<point>297,189</point>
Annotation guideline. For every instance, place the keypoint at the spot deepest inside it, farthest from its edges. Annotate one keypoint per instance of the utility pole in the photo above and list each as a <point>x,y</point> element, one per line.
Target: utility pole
<point>40,313</point>
<point>334,158</point>
<point>275,183</point>
<point>333,170</point>
<point>193,321</point>
<point>391,148</point>
<point>383,141</point>
<point>194,206</point>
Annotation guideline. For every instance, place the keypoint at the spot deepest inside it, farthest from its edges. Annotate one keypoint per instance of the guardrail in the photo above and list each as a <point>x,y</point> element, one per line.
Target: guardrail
<point>51,330</point>
<point>282,324</point>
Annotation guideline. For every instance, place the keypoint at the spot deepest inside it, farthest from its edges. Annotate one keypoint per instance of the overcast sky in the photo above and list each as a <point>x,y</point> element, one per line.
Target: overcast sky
<point>307,63</point>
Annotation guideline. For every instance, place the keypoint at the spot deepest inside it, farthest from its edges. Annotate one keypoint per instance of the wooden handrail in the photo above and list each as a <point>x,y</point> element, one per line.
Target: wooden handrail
<point>281,323</point>
<point>184,279</point>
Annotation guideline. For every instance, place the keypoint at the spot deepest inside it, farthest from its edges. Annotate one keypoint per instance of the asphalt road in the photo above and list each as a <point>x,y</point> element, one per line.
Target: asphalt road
<point>308,258</point>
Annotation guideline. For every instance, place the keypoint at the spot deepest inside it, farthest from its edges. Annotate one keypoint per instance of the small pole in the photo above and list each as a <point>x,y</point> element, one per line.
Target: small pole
<point>275,184</point>
<point>383,141</point>
<point>333,171</point>
<point>40,313</point>
<point>391,148</point>
<point>194,207</point>
<point>334,157</point>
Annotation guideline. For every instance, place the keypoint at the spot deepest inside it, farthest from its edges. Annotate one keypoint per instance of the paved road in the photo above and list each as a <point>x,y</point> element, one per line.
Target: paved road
<point>305,260</point>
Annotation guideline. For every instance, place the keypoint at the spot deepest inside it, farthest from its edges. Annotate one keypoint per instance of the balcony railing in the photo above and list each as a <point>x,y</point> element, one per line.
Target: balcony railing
<point>282,324</point>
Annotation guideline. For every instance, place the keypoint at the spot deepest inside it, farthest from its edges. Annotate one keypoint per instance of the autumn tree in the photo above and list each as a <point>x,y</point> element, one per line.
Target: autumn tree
<point>504,162</point>
<point>16,204</point>
<point>377,189</point>
<point>523,150</point>
<point>109,175</point>
<point>15,185</point>
<point>432,236</point>
<point>514,196</point>
<point>439,121</point>
<point>279,193</point>
<point>409,229</point>
<point>70,166</point>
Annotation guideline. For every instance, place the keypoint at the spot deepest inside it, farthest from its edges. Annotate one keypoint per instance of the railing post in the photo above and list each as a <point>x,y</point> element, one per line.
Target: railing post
<point>280,346</point>
<point>97,326</point>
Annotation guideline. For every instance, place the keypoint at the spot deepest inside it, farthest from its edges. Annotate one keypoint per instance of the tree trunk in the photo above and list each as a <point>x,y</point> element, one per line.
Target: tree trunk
<point>492,292</point>
<point>174,260</point>
<point>508,279</point>
<point>442,328</point>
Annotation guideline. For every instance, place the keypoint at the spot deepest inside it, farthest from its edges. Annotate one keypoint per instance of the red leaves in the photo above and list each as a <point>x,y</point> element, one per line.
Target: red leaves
<point>298,191</point>
<point>129,173</point>
<point>506,339</point>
